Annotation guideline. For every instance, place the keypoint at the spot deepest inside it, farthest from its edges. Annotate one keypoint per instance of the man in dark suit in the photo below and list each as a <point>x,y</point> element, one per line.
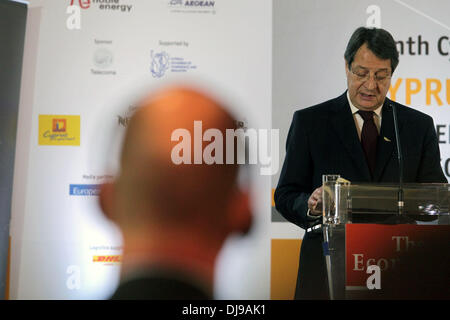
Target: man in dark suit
<point>351,135</point>
<point>174,217</point>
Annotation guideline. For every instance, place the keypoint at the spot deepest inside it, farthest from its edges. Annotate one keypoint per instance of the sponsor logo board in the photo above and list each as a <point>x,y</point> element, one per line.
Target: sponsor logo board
<point>59,130</point>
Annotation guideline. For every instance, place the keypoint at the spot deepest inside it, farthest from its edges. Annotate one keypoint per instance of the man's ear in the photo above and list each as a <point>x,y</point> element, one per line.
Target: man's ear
<point>240,216</point>
<point>106,199</point>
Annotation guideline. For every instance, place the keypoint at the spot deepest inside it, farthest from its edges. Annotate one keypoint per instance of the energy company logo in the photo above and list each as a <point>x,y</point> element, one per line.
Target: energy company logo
<point>111,259</point>
<point>59,130</point>
<point>105,5</point>
<point>84,4</point>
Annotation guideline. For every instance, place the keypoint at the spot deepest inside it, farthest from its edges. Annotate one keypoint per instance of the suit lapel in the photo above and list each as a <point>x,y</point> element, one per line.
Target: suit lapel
<point>386,140</point>
<point>343,124</point>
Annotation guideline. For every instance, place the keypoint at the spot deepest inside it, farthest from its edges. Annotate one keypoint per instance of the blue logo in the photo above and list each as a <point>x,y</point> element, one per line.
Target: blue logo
<point>160,64</point>
<point>84,189</point>
<point>192,3</point>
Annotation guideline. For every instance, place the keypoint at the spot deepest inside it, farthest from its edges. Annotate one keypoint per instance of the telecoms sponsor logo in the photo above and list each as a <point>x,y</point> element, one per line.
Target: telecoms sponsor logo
<point>103,58</point>
<point>107,259</point>
<point>59,130</point>
<point>192,6</point>
<point>162,63</point>
<point>104,5</point>
<point>88,190</point>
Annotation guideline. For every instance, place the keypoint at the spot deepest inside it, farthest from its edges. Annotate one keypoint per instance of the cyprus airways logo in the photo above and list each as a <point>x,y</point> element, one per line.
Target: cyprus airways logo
<point>59,125</point>
<point>59,130</point>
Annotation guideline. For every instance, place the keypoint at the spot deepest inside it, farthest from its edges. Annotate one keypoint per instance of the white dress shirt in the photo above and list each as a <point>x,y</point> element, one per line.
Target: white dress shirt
<point>359,121</point>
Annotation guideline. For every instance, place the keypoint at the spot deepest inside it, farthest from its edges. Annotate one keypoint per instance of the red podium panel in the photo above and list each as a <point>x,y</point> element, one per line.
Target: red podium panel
<point>411,251</point>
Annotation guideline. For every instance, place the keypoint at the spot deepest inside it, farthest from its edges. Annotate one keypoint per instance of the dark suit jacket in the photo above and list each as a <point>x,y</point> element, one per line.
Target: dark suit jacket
<point>160,285</point>
<point>323,139</point>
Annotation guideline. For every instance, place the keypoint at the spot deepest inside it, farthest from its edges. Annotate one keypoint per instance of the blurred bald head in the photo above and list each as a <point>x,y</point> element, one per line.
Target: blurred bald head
<point>150,185</point>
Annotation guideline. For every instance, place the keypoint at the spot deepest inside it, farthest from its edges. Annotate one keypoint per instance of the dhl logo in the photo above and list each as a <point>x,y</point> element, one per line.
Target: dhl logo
<point>108,259</point>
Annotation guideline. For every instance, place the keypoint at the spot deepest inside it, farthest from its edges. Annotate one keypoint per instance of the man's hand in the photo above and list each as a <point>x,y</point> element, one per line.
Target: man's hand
<point>315,202</point>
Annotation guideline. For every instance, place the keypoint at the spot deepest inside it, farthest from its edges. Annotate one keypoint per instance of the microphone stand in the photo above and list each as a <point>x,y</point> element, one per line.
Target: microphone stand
<point>400,203</point>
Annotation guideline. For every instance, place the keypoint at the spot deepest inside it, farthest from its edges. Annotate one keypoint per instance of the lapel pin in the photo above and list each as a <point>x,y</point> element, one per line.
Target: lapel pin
<point>387,139</point>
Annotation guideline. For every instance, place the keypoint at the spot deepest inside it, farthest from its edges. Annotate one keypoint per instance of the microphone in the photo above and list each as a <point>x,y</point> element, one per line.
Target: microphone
<point>400,202</point>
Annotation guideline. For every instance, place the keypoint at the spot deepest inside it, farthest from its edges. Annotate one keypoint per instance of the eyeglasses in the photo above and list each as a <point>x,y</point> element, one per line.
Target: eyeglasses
<point>363,75</point>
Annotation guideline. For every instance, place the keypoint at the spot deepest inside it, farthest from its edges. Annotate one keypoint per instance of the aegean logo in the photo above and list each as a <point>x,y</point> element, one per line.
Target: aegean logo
<point>192,3</point>
<point>192,6</point>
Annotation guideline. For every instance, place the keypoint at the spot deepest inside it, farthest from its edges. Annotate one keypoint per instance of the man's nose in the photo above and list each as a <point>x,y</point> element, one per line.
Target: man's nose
<point>370,83</point>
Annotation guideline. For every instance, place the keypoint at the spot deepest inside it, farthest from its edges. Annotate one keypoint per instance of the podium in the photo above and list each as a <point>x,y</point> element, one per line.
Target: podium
<point>377,247</point>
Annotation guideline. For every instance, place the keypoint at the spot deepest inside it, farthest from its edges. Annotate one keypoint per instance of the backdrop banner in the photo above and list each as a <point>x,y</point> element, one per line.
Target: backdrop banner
<point>86,66</point>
